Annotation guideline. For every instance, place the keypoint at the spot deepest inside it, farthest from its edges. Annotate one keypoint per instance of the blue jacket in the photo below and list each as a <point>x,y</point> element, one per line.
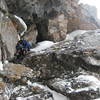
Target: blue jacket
<point>23,44</point>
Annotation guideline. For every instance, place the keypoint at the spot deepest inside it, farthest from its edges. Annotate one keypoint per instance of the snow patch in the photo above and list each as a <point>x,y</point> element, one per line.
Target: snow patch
<point>74,34</point>
<point>42,46</point>
<point>92,61</point>
<point>97,99</point>
<point>95,83</point>
<point>34,84</point>
<point>23,23</point>
<point>87,78</point>
<point>1,66</point>
<point>57,96</point>
<point>6,62</point>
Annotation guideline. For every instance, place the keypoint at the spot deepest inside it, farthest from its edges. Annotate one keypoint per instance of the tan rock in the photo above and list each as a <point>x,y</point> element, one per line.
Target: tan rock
<point>17,71</point>
<point>31,34</point>
<point>80,19</point>
<point>3,95</point>
<point>36,89</point>
<point>2,86</point>
<point>58,28</point>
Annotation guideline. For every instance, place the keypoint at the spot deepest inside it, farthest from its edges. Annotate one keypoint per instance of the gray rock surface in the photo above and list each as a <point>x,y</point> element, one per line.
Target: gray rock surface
<point>44,14</point>
<point>71,67</point>
<point>65,56</point>
<point>8,35</point>
<point>79,86</point>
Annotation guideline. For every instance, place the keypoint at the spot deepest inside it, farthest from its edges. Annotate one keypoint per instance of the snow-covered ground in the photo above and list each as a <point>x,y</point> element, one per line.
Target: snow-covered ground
<point>42,46</point>
<point>57,96</point>
<point>97,99</point>
<point>95,83</point>
<point>92,60</point>
<point>74,34</point>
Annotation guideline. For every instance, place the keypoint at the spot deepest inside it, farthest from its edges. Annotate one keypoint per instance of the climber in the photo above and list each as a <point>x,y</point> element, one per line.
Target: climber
<point>22,48</point>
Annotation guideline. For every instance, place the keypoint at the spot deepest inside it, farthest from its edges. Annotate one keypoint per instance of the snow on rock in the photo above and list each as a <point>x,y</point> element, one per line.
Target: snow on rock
<point>74,34</point>
<point>57,96</point>
<point>23,23</point>
<point>94,83</point>
<point>92,61</point>
<point>42,46</point>
<point>97,99</point>
<point>1,66</point>
<point>6,62</point>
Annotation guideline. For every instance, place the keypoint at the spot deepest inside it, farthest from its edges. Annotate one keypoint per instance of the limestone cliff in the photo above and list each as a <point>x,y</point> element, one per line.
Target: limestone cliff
<point>53,18</point>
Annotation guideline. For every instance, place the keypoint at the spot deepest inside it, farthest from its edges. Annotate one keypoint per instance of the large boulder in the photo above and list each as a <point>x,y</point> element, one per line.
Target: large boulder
<point>7,35</point>
<point>16,72</point>
<point>67,56</point>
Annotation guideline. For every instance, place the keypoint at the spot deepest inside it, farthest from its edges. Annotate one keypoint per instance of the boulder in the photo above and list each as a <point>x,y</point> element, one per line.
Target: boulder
<point>67,56</point>
<point>71,67</point>
<point>15,72</point>
<point>7,35</point>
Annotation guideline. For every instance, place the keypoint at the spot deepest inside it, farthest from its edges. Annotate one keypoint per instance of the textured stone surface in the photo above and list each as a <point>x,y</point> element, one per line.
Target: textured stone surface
<point>45,15</point>
<point>58,28</point>
<point>16,72</point>
<point>71,67</point>
<point>78,86</point>
<point>34,92</point>
<point>8,35</point>
<point>31,34</point>
<point>3,89</point>
<point>82,51</point>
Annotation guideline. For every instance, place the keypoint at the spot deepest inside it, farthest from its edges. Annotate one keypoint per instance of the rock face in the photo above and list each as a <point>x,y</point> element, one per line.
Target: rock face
<point>80,86</point>
<point>31,34</point>
<point>73,63</point>
<point>17,82</point>
<point>53,18</point>
<point>70,67</point>
<point>7,35</point>
<point>57,28</point>
<point>81,19</point>
<point>81,51</point>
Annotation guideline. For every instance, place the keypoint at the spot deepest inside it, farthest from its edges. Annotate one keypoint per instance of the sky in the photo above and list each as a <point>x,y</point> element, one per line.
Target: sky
<point>93,3</point>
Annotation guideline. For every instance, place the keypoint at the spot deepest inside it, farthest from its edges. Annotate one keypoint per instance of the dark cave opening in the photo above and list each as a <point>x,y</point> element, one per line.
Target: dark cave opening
<point>42,28</point>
